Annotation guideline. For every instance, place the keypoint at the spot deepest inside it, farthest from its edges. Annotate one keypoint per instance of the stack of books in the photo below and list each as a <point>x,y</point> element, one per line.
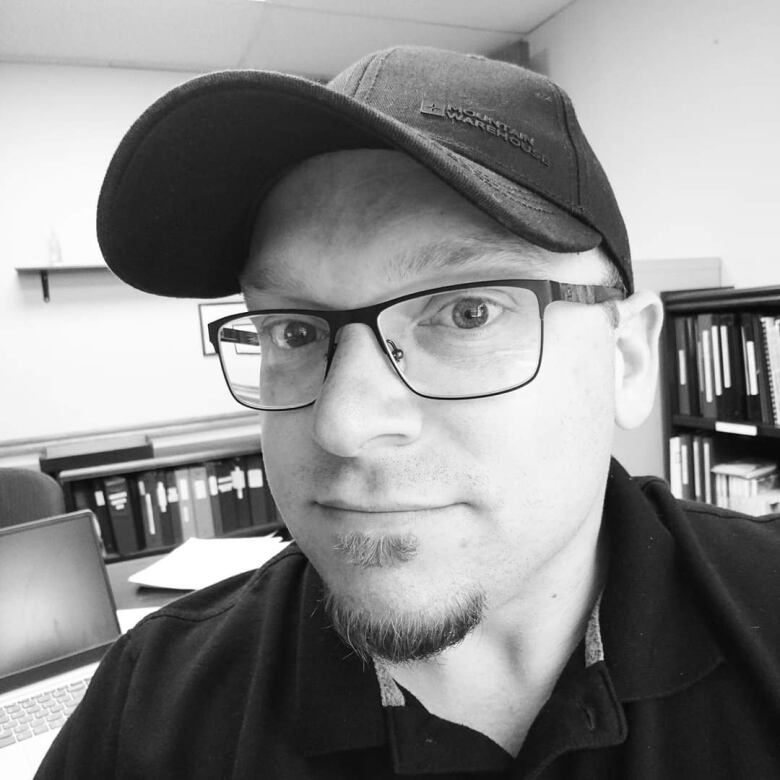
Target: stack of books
<point>728,366</point>
<point>746,485</point>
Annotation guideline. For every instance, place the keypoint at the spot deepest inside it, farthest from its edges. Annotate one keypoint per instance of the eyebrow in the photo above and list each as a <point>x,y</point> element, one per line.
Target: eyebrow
<point>486,251</point>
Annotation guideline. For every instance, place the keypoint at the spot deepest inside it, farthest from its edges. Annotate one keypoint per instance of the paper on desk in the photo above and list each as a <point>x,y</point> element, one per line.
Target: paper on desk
<point>129,617</point>
<point>201,562</point>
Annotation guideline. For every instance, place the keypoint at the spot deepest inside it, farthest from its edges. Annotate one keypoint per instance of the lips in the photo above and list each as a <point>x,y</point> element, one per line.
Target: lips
<point>376,508</point>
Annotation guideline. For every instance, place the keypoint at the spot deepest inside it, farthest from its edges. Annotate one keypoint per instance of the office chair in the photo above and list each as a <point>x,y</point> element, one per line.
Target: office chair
<point>28,495</point>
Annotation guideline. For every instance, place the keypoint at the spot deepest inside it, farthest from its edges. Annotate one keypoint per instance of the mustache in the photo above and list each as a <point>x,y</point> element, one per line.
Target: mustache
<point>384,476</point>
<point>376,550</point>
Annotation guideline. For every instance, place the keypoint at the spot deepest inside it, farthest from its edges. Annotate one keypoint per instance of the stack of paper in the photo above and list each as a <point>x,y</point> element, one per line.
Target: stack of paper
<point>201,562</point>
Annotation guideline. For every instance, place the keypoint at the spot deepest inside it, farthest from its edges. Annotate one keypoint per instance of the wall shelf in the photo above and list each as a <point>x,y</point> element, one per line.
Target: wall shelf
<point>44,270</point>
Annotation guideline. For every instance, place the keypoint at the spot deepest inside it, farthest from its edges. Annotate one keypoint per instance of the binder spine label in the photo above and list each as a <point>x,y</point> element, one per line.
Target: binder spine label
<point>682,367</point>
<point>724,345</point>
<point>750,349</point>
<point>199,487</point>
<point>239,483</point>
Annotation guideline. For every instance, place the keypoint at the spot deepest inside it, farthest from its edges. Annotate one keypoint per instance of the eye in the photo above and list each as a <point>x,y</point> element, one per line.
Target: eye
<point>470,312</point>
<point>467,313</point>
<point>293,334</point>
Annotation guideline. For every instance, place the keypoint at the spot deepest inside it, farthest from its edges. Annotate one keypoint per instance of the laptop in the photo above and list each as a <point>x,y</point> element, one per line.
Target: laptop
<point>57,619</point>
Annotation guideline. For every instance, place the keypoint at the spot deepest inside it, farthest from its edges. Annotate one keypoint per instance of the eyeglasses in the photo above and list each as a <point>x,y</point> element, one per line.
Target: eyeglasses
<point>461,341</point>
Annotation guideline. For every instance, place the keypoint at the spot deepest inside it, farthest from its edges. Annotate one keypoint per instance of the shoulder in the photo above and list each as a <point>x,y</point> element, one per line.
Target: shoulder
<point>732,562</point>
<point>262,604</point>
<point>719,532</point>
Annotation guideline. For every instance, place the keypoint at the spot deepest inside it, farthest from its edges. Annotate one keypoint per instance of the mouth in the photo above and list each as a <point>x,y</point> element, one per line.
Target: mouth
<point>377,508</point>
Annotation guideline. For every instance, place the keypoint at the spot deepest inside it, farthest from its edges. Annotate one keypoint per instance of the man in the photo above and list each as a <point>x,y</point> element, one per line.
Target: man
<point>443,331</point>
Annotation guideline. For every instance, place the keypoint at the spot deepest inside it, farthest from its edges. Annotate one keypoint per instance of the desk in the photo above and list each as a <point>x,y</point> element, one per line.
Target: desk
<point>128,595</point>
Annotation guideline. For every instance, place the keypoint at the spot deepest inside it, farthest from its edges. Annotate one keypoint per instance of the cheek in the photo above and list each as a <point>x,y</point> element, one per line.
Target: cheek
<point>283,441</point>
<point>557,430</point>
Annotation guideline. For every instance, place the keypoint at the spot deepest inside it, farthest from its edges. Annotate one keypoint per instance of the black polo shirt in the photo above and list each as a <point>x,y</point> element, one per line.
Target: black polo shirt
<point>247,680</point>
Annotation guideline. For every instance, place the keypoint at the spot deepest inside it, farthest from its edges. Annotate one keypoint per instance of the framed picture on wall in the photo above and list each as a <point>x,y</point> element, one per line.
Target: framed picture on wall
<point>208,312</point>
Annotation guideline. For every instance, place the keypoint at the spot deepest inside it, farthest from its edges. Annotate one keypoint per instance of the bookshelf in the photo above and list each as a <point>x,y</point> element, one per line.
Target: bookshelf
<point>720,371</point>
<point>152,488</point>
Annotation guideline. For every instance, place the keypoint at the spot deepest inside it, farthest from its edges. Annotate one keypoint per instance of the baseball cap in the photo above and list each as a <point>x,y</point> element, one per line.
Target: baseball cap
<point>178,200</point>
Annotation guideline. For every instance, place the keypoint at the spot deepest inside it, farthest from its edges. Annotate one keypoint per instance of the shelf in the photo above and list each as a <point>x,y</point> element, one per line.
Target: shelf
<point>725,426</point>
<point>722,299</point>
<point>44,270</point>
<point>194,456</point>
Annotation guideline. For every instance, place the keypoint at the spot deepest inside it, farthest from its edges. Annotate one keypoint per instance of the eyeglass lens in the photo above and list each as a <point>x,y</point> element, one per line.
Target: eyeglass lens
<point>449,344</point>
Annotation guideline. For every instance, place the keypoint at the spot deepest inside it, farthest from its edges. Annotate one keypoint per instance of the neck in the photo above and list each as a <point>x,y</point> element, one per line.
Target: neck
<point>498,678</point>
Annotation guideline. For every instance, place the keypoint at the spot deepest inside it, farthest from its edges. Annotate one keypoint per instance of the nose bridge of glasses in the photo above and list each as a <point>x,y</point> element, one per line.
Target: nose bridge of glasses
<point>368,316</point>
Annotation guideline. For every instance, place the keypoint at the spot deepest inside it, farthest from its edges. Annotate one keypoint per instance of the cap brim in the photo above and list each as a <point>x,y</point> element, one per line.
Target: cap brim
<point>175,209</point>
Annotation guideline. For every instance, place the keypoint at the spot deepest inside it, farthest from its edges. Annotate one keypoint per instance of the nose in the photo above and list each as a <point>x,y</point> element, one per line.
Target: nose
<point>363,403</point>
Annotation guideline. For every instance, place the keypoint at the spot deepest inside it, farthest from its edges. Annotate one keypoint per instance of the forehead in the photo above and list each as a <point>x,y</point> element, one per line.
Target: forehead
<point>374,222</point>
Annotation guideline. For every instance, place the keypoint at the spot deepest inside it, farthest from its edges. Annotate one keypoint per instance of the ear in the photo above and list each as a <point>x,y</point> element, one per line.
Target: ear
<point>636,357</point>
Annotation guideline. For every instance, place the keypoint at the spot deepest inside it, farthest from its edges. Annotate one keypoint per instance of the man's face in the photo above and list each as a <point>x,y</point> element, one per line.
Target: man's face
<point>415,511</point>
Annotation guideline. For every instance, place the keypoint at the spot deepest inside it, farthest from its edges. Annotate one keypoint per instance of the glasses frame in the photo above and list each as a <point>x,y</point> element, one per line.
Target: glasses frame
<point>546,292</point>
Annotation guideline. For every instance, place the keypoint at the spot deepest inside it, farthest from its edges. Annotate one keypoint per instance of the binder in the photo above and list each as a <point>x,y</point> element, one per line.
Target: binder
<point>260,501</point>
<point>167,535</point>
<point>201,501</point>
<point>771,343</point>
<point>697,467</point>
<point>762,367</point>
<point>717,364</point>
<point>172,495</point>
<point>213,491</point>
<point>675,467</point>
<point>241,493</point>
<point>227,500</point>
<point>707,402</point>
<point>693,370</point>
<point>88,494</point>
<point>186,506</point>
<point>121,514</point>
<point>149,510</point>
<point>707,463</point>
<point>750,362</point>
<point>686,465</point>
<point>733,406</point>
<point>681,373</point>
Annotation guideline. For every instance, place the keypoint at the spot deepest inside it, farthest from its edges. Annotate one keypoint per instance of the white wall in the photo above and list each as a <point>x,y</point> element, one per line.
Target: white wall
<point>679,98</point>
<point>681,101</point>
<point>93,358</point>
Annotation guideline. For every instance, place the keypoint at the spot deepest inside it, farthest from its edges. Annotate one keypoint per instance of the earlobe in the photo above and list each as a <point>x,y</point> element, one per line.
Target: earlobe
<point>636,357</point>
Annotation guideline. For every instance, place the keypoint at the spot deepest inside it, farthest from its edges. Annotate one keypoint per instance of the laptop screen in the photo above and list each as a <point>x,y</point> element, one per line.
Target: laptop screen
<point>55,599</point>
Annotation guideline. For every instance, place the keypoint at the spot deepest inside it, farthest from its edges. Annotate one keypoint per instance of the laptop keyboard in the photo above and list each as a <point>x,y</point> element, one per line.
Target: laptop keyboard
<point>44,712</point>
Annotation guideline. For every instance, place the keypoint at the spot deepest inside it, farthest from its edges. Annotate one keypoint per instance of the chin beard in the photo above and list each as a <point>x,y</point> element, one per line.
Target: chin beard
<point>400,637</point>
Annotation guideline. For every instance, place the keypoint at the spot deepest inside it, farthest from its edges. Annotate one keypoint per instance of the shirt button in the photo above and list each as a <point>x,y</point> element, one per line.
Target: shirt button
<point>590,716</point>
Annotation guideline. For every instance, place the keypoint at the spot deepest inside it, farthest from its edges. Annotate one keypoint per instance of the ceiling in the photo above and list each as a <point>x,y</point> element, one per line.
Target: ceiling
<point>316,38</point>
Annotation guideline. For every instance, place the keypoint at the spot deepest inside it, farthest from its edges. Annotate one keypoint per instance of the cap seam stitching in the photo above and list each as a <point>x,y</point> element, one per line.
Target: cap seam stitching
<point>359,78</point>
<point>570,149</point>
<point>370,87</point>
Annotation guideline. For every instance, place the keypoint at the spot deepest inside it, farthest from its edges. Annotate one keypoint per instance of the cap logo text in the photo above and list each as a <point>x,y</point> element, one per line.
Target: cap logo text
<point>485,123</point>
